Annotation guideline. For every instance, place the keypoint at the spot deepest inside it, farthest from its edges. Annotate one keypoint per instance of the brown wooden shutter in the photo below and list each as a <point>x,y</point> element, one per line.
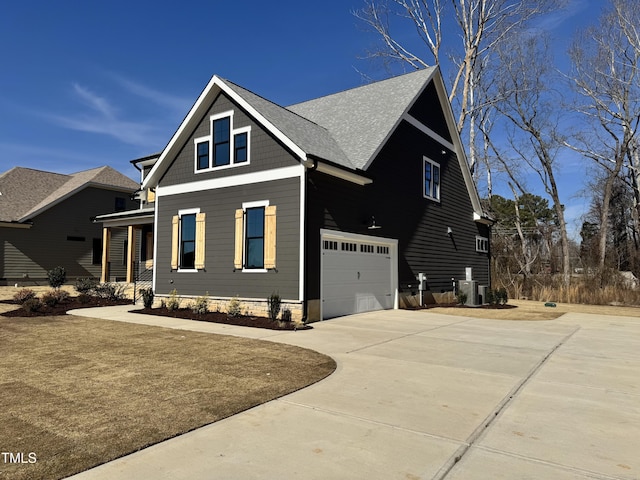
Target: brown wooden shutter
<point>270,237</point>
<point>200,240</point>
<point>239,245</point>
<point>175,239</point>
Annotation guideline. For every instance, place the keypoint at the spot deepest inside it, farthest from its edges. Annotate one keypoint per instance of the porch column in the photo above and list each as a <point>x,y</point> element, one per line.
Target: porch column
<point>131,249</point>
<point>106,245</point>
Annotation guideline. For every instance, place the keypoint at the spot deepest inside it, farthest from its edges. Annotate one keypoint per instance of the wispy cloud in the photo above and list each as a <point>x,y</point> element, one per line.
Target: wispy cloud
<point>560,17</point>
<point>100,115</point>
<point>163,99</point>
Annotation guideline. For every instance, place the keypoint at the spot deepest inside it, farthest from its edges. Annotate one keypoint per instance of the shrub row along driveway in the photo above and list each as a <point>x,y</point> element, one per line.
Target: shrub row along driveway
<point>414,391</point>
<point>76,392</point>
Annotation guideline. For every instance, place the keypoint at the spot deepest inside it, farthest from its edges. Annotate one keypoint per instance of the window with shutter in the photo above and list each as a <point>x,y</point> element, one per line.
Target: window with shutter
<point>255,245</point>
<point>188,240</point>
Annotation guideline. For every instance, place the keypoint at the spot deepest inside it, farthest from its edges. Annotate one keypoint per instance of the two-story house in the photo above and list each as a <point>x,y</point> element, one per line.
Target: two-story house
<point>336,204</point>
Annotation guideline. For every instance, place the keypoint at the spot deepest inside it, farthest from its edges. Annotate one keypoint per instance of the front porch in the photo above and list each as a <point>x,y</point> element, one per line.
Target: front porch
<point>135,252</point>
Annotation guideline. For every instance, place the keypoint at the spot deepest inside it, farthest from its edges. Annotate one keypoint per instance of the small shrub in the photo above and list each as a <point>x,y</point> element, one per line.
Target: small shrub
<point>201,306</point>
<point>462,298</point>
<point>23,295</point>
<point>147,297</point>
<point>491,299</point>
<point>109,291</point>
<point>83,298</point>
<point>86,284</point>
<point>173,303</point>
<point>286,314</point>
<point>274,302</point>
<point>32,305</point>
<point>234,309</point>
<point>57,276</point>
<point>54,297</point>
<point>503,296</point>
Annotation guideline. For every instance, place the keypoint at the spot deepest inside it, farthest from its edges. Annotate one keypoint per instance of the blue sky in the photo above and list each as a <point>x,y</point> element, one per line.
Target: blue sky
<point>86,84</point>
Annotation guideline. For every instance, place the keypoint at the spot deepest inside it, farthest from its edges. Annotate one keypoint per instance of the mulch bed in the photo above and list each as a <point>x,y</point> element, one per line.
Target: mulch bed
<point>217,317</point>
<point>63,307</point>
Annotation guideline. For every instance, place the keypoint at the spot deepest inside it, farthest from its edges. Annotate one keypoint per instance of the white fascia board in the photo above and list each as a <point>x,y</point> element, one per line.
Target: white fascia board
<point>343,174</point>
<point>457,142</point>
<point>427,131</point>
<point>215,85</point>
<point>294,171</point>
<point>15,225</point>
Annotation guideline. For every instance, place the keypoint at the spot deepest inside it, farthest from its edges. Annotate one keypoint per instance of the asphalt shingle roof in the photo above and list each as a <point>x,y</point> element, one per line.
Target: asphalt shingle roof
<point>25,192</point>
<point>359,119</point>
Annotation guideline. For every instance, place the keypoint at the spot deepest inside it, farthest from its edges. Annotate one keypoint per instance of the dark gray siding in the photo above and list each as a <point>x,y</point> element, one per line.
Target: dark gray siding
<point>395,199</point>
<point>219,277</point>
<point>265,151</point>
<point>34,251</point>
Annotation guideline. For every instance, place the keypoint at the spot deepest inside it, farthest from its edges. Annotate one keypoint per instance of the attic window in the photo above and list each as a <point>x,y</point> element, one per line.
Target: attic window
<point>224,147</point>
<point>431,179</point>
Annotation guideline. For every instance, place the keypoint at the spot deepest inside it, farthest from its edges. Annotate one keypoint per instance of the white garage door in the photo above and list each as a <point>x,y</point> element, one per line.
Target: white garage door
<point>358,274</point>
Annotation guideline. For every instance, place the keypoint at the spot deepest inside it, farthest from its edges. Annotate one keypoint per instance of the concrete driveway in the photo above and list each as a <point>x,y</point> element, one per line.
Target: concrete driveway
<point>426,396</point>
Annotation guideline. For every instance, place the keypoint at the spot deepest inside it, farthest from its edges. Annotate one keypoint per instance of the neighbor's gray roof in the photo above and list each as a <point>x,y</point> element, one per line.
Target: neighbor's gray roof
<point>25,192</point>
<point>360,119</point>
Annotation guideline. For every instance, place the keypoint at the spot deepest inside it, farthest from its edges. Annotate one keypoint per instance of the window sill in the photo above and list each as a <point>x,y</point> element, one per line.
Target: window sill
<point>254,270</point>
<point>221,167</point>
<point>187,270</point>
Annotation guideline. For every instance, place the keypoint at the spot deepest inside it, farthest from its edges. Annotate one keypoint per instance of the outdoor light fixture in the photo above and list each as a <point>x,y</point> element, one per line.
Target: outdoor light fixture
<point>449,231</point>
<point>372,224</point>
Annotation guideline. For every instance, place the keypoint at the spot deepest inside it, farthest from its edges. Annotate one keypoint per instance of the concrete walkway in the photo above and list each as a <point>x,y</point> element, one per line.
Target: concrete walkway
<point>425,396</point>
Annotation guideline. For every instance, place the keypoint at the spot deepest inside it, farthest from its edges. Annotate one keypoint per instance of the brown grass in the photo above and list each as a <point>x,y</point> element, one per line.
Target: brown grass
<point>79,392</point>
<point>535,310</point>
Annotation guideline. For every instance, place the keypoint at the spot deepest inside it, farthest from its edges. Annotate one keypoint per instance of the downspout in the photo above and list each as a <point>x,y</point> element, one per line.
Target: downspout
<point>305,302</point>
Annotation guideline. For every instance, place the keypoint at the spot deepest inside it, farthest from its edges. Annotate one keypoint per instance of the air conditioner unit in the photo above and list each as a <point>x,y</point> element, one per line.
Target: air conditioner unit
<point>470,289</point>
<point>482,294</point>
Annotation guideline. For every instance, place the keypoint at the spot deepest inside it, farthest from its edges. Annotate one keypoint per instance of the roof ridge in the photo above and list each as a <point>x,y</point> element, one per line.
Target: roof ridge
<point>375,82</point>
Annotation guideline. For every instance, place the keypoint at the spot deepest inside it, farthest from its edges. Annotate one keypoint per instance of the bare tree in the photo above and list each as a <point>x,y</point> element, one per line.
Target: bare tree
<point>605,75</point>
<point>529,103</point>
<point>478,25</point>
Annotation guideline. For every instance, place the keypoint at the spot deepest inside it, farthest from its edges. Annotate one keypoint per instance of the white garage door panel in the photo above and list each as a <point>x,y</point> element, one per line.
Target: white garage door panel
<point>355,281</point>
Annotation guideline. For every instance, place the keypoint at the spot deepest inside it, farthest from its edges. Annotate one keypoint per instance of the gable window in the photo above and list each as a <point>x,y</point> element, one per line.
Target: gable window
<point>224,147</point>
<point>188,240</point>
<point>202,151</point>
<point>482,244</point>
<point>221,141</point>
<point>255,244</point>
<point>240,147</point>
<point>431,188</point>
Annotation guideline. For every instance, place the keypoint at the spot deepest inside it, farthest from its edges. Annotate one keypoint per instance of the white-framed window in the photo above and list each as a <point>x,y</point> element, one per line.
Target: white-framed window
<point>255,244</point>
<point>224,147</point>
<point>482,244</point>
<point>187,240</point>
<point>431,179</point>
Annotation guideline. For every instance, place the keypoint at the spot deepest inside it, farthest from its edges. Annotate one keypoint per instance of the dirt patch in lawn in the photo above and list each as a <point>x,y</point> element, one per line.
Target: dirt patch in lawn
<point>531,310</point>
<point>78,392</point>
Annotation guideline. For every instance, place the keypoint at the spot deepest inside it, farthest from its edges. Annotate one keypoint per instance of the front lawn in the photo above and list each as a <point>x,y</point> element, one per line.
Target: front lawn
<point>78,392</point>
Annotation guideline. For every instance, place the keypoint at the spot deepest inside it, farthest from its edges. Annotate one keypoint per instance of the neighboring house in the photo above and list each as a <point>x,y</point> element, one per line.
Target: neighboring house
<point>336,204</point>
<point>46,220</point>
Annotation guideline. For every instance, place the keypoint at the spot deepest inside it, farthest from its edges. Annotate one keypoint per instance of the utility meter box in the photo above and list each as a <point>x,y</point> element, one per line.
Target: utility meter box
<point>422,281</point>
<point>470,289</point>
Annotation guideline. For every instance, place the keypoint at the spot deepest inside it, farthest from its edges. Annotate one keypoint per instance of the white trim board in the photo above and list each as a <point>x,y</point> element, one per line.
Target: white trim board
<point>232,181</point>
